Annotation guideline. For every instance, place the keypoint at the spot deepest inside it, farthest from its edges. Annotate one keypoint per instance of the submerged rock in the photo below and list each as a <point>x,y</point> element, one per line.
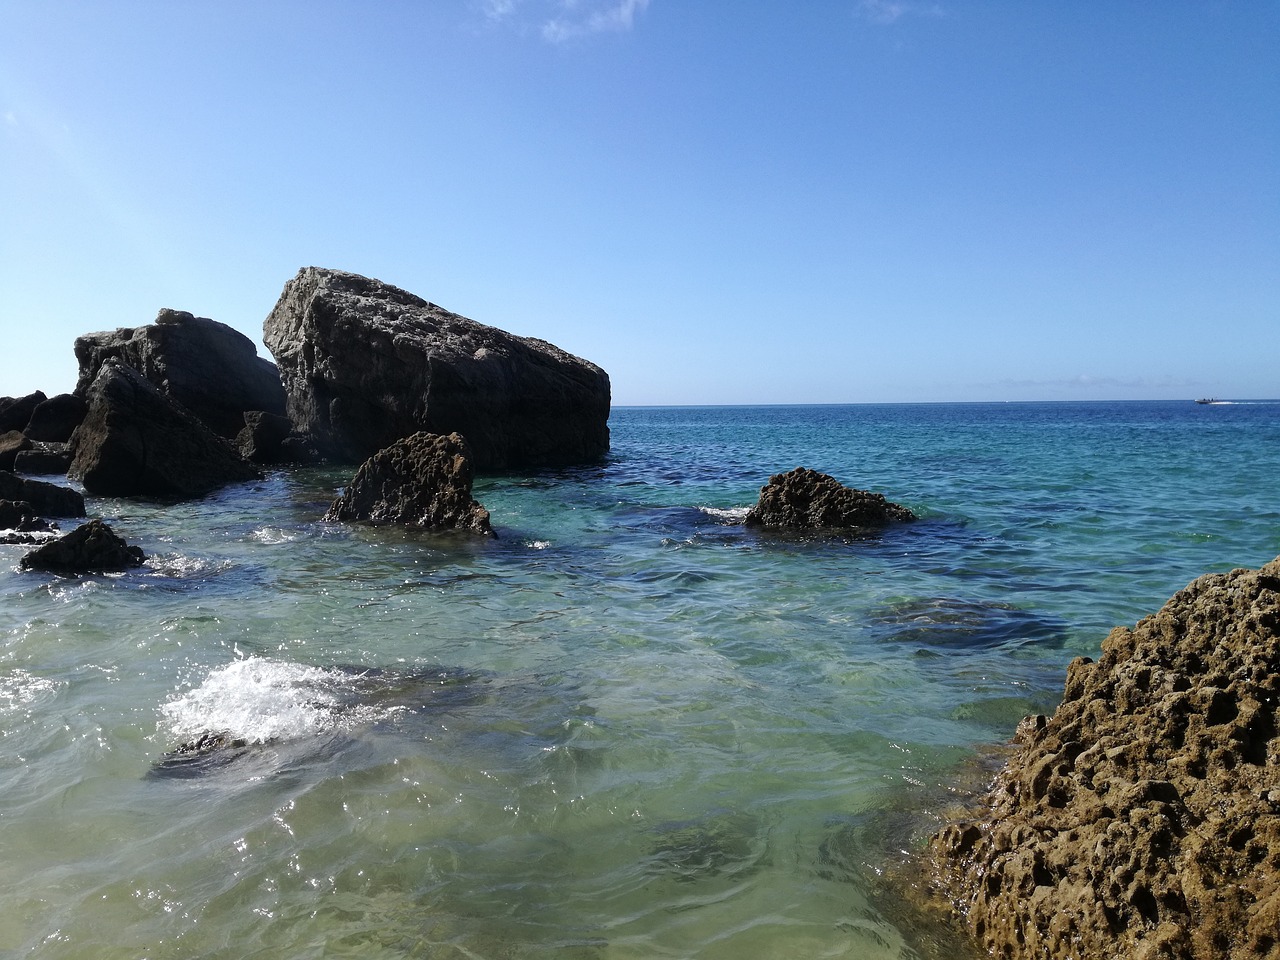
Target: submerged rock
<point>421,481</point>
<point>92,547</point>
<point>209,368</point>
<point>19,523</point>
<point>135,441</point>
<point>1141,820</point>
<point>366,364</point>
<point>805,499</point>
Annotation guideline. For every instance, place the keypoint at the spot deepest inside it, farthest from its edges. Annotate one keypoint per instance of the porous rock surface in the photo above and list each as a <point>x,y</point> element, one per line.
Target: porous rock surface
<point>135,441</point>
<point>421,481</point>
<point>365,364</point>
<point>206,366</point>
<point>804,499</point>
<point>92,547</point>
<point>1141,820</point>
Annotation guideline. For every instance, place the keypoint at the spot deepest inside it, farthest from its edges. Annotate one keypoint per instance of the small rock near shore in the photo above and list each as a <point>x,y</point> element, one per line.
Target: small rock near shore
<point>804,499</point>
<point>92,547</point>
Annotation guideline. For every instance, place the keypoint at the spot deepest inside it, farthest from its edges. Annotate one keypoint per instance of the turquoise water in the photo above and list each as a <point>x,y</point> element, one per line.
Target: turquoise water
<point>628,728</point>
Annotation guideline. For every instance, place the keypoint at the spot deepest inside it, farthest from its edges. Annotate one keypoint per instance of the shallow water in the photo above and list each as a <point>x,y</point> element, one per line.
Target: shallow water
<point>627,728</point>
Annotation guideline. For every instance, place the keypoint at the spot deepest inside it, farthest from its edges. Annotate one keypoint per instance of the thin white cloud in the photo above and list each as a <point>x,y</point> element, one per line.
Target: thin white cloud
<point>579,19</point>
<point>888,12</point>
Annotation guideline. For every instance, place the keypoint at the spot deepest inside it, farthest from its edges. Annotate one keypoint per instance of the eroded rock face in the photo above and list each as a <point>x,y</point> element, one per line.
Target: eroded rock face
<point>208,367</point>
<point>92,547</point>
<point>135,441</point>
<point>421,481</point>
<point>1142,820</point>
<point>365,364</point>
<point>47,499</point>
<point>804,499</point>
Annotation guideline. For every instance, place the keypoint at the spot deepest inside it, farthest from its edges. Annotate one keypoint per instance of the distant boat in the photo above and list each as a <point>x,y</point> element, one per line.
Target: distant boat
<point>1210,400</point>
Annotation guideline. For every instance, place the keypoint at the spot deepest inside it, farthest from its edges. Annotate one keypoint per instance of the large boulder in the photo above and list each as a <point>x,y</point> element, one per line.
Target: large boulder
<point>1141,820</point>
<point>92,547</point>
<point>11,444</point>
<point>44,458</point>
<point>365,364</point>
<point>421,481</point>
<point>55,419</point>
<point>804,499</point>
<point>15,412</point>
<point>135,441</point>
<point>47,499</point>
<point>209,368</point>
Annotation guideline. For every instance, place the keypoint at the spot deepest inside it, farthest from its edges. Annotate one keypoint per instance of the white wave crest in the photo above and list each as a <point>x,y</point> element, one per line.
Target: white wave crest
<point>733,514</point>
<point>19,689</point>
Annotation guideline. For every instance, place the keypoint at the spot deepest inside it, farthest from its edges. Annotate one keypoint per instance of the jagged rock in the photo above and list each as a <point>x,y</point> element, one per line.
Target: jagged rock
<point>15,412</point>
<point>135,441</point>
<point>11,444</point>
<point>21,516</point>
<point>262,437</point>
<point>55,419</point>
<point>421,481</point>
<point>92,547</point>
<point>804,499</point>
<point>1141,820</point>
<point>365,364</point>
<point>47,499</point>
<point>45,459</point>
<point>209,368</point>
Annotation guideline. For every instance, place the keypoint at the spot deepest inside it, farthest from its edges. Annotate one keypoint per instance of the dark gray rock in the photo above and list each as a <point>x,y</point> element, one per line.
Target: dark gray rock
<point>421,481</point>
<point>92,547</point>
<point>21,516</point>
<point>11,444</point>
<point>365,364</point>
<point>15,412</point>
<point>804,499</point>
<point>209,368</point>
<point>135,441</point>
<point>44,459</point>
<point>47,499</point>
<point>55,419</point>
<point>262,437</point>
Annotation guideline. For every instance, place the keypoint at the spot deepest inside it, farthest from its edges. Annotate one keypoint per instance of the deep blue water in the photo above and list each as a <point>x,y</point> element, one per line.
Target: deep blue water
<point>629,727</point>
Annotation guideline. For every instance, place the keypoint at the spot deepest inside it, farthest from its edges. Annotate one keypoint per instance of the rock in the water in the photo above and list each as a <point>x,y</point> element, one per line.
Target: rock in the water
<point>55,419</point>
<point>365,364</point>
<point>44,459</point>
<point>262,438</point>
<point>208,367</point>
<point>804,499</point>
<point>92,547</point>
<point>1141,820</point>
<point>21,516</point>
<point>421,481</point>
<point>135,441</point>
<point>11,444</point>
<point>15,412</point>
<point>47,499</point>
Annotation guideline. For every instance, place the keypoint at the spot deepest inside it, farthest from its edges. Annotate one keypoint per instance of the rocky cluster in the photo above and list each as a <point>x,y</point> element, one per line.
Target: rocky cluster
<point>92,547</point>
<point>1141,820</point>
<point>805,499</point>
<point>422,481</point>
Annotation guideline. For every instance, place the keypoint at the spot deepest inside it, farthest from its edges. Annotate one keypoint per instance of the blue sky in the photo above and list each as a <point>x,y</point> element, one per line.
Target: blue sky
<point>718,202</point>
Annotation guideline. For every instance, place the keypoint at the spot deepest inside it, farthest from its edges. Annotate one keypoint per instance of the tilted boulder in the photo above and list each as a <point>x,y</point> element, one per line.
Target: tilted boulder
<point>15,412</point>
<point>92,547</point>
<point>135,441</point>
<point>365,364</point>
<point>47,499</point>
<point>44,458</point>
<point>11,444</point>
<point>804,499</point>
<point>208,367</point>
<point>55,419</point>
<point>1141,820</point>
<point>421,481</point>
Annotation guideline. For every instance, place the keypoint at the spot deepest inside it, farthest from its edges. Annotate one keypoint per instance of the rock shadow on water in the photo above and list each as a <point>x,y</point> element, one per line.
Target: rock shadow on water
<point>937,625</point>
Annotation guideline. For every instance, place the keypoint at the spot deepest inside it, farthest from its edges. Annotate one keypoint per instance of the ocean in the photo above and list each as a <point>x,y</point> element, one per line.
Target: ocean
<point>629,727</point>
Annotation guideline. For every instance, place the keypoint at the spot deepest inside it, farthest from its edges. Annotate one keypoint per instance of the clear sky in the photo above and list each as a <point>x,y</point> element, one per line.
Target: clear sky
<point>718,201</point>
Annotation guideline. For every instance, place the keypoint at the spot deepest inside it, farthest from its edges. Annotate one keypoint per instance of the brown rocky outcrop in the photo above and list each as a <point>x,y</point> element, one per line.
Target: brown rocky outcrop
<point>47,499</point>
<point>804,499</point>
<point>365,364</point>
<point>421,481</point>
<point>55,419</point>
<point>135,441</point>
<point>209,368</point>
<point>1141,820</point>
<point>92,547</point>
